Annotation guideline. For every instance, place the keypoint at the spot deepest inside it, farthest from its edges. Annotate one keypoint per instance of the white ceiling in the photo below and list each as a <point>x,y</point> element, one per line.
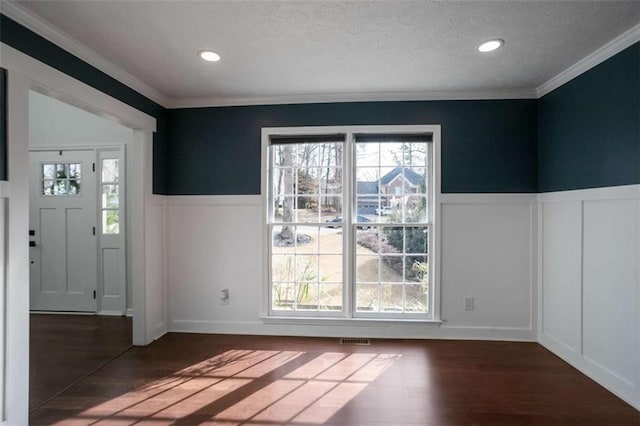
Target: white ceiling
<point>274,49</point>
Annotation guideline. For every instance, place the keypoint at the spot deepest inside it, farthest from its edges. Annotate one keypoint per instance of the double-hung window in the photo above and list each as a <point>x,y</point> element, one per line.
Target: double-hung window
<point>350,221</point>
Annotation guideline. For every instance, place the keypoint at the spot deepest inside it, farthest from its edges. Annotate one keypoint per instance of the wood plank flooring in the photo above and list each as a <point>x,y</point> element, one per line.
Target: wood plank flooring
<point>192,379</point>
<point>65,348</point>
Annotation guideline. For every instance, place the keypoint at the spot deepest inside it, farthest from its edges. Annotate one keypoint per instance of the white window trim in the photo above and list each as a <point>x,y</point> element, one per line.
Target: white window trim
<point>434,213</point>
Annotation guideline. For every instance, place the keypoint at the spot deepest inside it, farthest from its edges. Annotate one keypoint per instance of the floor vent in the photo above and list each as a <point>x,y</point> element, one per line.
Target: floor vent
<point>354,341</point>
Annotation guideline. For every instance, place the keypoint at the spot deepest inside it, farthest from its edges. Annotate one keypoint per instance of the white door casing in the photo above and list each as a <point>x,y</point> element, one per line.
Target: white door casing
<point>26,73</point>
<point>62,215</point>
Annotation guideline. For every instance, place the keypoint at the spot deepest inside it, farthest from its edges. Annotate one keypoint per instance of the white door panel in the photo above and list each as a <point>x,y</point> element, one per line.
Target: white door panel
<point>63,219</point>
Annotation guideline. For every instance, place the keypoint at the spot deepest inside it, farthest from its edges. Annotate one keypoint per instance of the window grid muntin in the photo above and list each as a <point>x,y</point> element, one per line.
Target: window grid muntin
<point>66,179</point>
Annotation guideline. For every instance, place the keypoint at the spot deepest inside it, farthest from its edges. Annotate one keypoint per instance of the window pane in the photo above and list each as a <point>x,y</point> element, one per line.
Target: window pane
<point>391,269</point>
<point>283,240</point>
<point>283,296</point>
<point>415,182</point>
<point>110,222</point>
<point>416,239</point>
<point>306,208</point>
<point>74,187</point>
<point>367,299</point>
<point>417,269</point>
<point>417,298</point>
<point>282,268</point>
<point>367,154</point>
<point>391,298</point>
<point>367,268</point>
<point>330,208</point>
<point>47,187</point>
<point>75,171</point>
<point>330,268</point>
<point>110,198</point>
<point>307,155</point>
<point>330,239</point>
<point>391,154</point>
<point>415,154</point>
<point>61,173</point>
<point>283,209</point>
<point>330,154</point>
<point>283,155</point>
<point>330,181</point>
<point>306,268</point>
<point>368,205</point>
<point>110,170</point>
<point>306,181</point>
<point>330,297</point>
<point>283,180</point>
<point>307,296</point>
<point>60,187</point>
<point>392,239</point>
<point>415,209</point>
<point>48,171</point>
<point>306,239</point>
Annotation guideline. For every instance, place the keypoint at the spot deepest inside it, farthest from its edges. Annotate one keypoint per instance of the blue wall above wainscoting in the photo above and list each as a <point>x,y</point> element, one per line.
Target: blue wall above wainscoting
<point>3,124</point>
<point>589,128</point>
<point>487,146</point>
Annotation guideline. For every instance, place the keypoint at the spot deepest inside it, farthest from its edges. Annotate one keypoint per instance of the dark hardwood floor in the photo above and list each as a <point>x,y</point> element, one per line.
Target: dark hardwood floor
<point>65,348</point>
<point>190,379</point>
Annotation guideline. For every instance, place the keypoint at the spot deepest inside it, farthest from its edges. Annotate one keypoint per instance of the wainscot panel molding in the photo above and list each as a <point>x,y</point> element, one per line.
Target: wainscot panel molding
<point>489,251</point>
<point>589,312</point>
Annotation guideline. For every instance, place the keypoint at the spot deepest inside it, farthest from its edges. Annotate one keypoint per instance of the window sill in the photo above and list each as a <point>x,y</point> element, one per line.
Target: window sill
<point>360,322</point>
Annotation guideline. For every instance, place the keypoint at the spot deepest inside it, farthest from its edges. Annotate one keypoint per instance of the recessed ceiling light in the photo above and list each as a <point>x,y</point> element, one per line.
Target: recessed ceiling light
<point>491,45</point>
<point>209,55</point>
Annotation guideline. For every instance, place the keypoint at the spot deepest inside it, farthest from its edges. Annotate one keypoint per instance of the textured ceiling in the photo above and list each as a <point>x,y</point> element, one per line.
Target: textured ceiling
<point>273,48</point>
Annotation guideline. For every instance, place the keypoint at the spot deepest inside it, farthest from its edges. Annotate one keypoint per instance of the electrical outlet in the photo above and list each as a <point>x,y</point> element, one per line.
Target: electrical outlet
<point>224,298</point>
<point>468,303</point>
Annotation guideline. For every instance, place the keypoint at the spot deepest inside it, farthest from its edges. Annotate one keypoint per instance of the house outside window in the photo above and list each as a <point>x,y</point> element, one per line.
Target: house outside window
<point>351,221</point>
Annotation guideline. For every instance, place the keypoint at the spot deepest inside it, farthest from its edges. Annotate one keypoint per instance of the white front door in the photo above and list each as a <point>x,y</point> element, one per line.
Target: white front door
<point>62,231</point>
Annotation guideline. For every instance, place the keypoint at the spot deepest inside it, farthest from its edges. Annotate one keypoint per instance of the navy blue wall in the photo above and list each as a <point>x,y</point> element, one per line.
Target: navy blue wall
<point>589,128</point>
<point>3,124</point>
<point>26,41</point>
<point>487,146</point>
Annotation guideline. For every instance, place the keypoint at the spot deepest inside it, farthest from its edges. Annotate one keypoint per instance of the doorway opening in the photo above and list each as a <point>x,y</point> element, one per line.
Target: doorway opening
<point>78,211</point>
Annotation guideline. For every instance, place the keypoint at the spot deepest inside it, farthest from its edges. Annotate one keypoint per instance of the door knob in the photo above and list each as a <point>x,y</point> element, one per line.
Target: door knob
<point>32,243</point>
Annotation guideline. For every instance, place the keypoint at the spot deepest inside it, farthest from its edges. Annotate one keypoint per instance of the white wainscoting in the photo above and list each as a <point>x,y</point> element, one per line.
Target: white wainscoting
<point>488,252</point>
<point>156,266</point>
<point>590,286</point>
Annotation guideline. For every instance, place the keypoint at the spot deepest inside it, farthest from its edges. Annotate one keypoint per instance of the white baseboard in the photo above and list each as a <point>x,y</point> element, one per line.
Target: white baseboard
<point>382,331</point>
<point>614,384</point>
<point>129,312</point>
<point>110,313</point>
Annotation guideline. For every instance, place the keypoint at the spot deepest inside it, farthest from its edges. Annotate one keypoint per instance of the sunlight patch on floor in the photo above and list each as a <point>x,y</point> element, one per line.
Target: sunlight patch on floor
<point>246,387</point>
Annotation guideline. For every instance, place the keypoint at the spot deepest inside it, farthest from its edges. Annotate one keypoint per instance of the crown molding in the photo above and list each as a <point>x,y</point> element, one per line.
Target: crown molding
<point>13,10</point>
<point>352,97</point>
<point>615,46</point>
<point>26,18</point>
